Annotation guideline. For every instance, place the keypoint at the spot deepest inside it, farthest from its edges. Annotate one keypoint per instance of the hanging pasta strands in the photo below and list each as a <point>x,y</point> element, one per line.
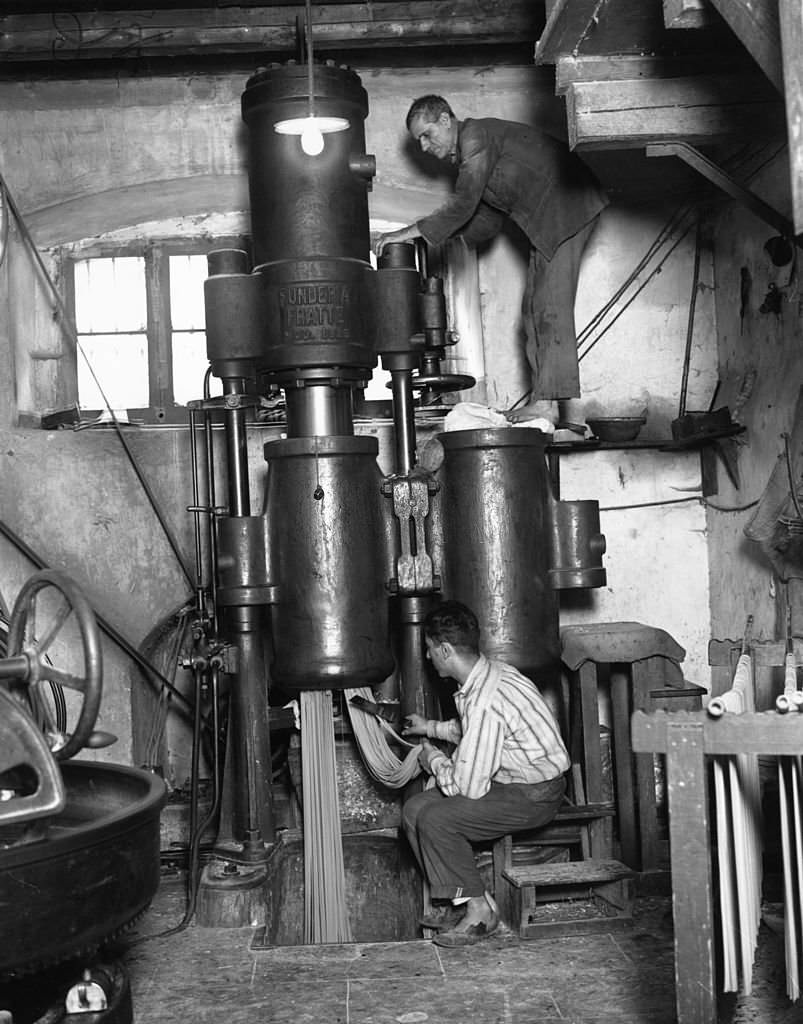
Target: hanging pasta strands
<point>325,912</point>
<point>790,783</point>
<point>739,834</point>
<point>380,760</point>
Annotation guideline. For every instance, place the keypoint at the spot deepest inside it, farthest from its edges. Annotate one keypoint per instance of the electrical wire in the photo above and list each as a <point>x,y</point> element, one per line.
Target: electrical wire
<point>675,219</point>
<point>197,828</point>
<point>656,270</point>
<point>4,222</point>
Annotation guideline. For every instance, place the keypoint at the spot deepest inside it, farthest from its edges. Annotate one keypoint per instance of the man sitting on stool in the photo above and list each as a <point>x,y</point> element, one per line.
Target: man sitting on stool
<point>505,774</point>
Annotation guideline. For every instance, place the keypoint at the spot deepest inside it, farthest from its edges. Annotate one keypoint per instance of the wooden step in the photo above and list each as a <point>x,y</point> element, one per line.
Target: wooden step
<point>569,897</point>
<point>575,872</point>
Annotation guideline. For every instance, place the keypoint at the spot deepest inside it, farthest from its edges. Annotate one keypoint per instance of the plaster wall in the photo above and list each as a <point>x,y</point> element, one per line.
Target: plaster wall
<point>91,159</point>
<point>761,362</point>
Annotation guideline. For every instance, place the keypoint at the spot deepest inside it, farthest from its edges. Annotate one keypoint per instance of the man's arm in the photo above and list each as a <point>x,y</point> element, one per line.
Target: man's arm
<point>400,235</point>
<point>476,163</point>
<point>486,223</point>
<point>468,772</point>
<point>417,725</point>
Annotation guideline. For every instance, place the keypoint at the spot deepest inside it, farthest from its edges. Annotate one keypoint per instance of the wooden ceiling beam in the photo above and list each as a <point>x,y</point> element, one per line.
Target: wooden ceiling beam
<point>698,110</point>
<point>98,35</point>
<point>567,25</point>
<point>627,67</point>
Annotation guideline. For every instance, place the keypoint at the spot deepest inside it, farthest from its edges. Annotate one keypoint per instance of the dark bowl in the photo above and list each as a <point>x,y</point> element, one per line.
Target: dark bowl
<point>616,428</point>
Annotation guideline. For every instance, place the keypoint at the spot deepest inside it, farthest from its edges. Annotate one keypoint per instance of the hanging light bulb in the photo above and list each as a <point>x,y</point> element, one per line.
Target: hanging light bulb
<point>311,128</point>
<point>312,138</point>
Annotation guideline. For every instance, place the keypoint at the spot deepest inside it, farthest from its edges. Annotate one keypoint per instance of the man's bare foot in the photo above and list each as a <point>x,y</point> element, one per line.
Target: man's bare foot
<point>535,409</point>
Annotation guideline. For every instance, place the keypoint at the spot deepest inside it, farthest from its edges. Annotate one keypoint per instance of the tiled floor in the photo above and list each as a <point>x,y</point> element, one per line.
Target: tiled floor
<point>211,975</point>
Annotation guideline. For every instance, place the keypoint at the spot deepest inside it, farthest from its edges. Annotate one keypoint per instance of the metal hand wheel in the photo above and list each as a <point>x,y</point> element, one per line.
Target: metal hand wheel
<point>49,607</point>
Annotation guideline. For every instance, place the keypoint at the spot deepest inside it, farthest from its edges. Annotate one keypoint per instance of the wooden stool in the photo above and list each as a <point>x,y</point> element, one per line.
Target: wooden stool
<point>642,664</point>
<point>579,896</point>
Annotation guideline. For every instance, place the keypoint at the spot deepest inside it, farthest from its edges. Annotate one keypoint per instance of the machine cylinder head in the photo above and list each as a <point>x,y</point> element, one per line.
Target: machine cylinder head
<point>309,221</point>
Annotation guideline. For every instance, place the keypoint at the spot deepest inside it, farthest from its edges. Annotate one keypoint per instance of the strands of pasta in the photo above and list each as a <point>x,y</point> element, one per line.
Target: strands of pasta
<point>325,912</point>
<point>739,845</point>
<point>790,783</point>
<point>379,758</point>
<point>790,780</point>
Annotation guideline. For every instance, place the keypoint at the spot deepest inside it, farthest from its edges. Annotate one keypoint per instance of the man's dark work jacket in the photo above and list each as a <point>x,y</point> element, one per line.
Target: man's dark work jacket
<point>512,170</point>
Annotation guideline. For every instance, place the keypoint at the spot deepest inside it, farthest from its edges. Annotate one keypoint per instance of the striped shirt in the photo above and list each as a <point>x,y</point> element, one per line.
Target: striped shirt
<point>506,733</point>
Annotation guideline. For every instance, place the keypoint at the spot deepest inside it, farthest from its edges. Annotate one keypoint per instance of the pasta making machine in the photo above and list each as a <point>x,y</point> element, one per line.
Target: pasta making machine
<point>327,587</point>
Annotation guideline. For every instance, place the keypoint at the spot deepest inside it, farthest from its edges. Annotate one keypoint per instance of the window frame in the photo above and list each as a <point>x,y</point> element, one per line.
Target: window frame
<point>156,253</point>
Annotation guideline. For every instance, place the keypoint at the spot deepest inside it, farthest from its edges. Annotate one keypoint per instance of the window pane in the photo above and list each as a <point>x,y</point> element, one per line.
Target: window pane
<point>187,276</point>
<point>120,362</point>
<point>190,363</point>
<point>110,295</point>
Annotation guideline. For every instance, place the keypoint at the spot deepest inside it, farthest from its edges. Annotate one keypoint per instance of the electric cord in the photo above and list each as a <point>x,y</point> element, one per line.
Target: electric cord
<point>679,501</point>
<point>674,221</point>
<point>656,270</point>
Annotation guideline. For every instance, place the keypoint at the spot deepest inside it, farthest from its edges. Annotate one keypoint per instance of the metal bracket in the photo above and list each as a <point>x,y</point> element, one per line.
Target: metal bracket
<point>695,159</point>
<point>411,502</point>
<point>22,746</point>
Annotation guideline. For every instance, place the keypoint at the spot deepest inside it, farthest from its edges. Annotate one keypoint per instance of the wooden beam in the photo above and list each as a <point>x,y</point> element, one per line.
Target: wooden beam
<point>755,23</point>
<point>754,732</point>
<point>791,16</point>
<point>575,27</point>
<point>698,110</point>
<point>687,14</point>
<point>625,66</point>
<point>261,29</point>
<point>567,25</point>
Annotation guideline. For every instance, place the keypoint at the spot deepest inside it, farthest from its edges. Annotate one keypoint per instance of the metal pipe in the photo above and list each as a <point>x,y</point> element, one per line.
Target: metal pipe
<point>417,694</point>
<point>403,420</point>
<point>319,410</point>
<point>250,733</point>
<point>211,498</point>
<point>236,449</point>
<point>15,668</point>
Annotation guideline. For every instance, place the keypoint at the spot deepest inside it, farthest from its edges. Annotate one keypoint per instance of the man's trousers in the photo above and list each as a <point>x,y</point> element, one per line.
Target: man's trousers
<point>441,829</point>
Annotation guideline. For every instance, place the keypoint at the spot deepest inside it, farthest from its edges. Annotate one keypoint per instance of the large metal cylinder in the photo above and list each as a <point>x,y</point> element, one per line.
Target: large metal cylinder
<point>309,220</point>
<point>329,551</point>
<point>492,516</point>
<point>306,206</point>
<point>577,546</point>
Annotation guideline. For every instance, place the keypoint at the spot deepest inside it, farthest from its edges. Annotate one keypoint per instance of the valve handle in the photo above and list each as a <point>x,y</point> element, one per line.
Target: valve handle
<point>49,607</point>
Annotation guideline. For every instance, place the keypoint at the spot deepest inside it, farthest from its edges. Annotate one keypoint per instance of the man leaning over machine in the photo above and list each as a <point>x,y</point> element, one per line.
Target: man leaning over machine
<point>508,171</point>
<point>505,774</point>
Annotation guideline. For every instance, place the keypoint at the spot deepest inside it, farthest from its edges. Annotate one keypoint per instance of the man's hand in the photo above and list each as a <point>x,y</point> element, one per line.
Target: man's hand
<point>415,725</point>
<point>425,754</point>
<point>402,235</point>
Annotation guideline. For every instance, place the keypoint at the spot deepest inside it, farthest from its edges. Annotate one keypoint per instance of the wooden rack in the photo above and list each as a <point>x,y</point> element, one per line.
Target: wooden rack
<point>687,738</point>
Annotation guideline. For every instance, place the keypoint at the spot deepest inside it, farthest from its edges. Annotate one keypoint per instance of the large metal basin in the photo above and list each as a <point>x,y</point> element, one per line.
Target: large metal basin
<point>94,870</point>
